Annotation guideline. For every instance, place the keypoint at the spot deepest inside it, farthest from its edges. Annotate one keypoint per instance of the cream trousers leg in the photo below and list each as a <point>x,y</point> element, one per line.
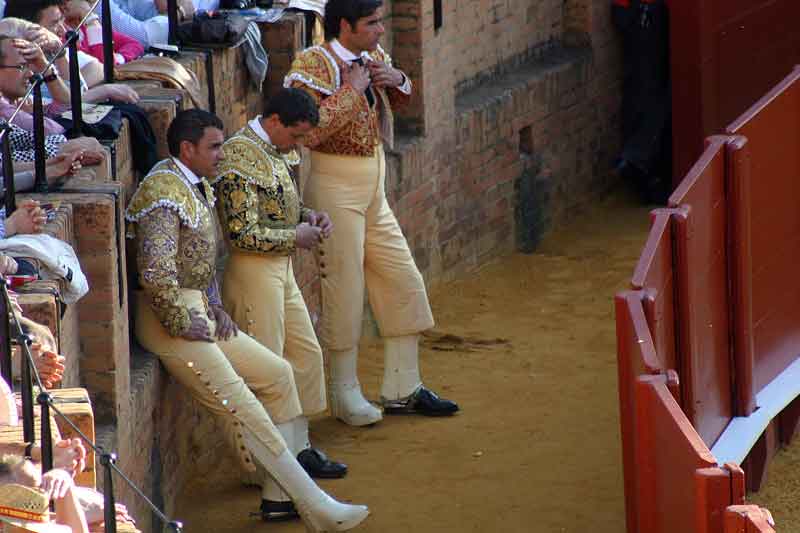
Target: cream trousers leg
<point>237,380</point>
<point>261,294</point>
<point>367,249</point>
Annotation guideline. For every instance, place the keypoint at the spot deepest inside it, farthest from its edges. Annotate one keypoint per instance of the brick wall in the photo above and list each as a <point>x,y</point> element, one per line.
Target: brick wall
<point>512,129</point>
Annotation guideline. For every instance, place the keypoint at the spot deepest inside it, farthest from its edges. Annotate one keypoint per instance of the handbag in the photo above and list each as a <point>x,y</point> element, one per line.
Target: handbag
<point>213,30</point>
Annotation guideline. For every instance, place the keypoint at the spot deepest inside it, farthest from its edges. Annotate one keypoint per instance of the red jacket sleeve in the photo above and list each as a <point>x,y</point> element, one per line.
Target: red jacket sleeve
<point>127,47</point>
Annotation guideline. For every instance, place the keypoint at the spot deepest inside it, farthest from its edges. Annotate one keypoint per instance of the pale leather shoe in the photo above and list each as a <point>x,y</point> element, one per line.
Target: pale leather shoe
<point>349,405</point>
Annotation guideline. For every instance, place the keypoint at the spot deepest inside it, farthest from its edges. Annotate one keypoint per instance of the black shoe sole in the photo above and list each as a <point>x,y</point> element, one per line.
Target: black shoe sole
<point>401,411</point>
<point>280,517</point>
<point>321,475</point>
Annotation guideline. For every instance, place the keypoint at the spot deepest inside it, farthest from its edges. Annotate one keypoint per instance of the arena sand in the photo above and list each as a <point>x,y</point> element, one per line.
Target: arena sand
<point>781,492</point>
<point>527,346</point>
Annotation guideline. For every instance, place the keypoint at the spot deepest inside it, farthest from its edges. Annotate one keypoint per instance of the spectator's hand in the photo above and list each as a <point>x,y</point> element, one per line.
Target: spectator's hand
<point>91,501</point>
<point>383,75</point>
<point>93,153</point>
<point>119,92</point>
<point>323,221</point>
<point>64,165</point>
<point>226,327</point>
<point>7,265</point>
<point>357,77</point>
<point>31,53</point>
<point>49,365</point>
<point>27,219</point>
<point>70,455</point>
<point>307,236</point>
<point>198,330</point>
<point>47,40</point>
<point>57,483</point>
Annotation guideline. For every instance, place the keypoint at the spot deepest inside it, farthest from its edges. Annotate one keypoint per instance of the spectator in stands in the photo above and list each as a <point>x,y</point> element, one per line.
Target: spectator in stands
<point>48,15</point>
<point>57,485</point>
<point>125,48</point>
<point>266,222</point>
<point>90,69</point>
<point>147,27</point>
<point>180,317</point>
<point>13,85</point>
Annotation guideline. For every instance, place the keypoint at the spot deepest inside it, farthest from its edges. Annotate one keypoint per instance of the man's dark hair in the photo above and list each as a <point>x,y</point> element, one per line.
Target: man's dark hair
<point>190,125</point>
<point>292,107</point>
<point>29,10</point>
<point>349,10</point>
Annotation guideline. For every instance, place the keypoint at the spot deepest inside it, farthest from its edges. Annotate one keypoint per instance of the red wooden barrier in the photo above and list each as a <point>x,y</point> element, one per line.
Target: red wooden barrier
<point>725,54</point>
<point>740,261</point>
<point>654,276</point>
<point>700,227</point>
<point>635,356</point>
<point>772,127</point>
<point>678,484</point>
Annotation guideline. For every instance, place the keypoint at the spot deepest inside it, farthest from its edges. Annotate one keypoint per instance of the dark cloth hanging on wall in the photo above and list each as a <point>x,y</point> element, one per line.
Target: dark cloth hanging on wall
<point>647,95</point>
<point>143,138</point>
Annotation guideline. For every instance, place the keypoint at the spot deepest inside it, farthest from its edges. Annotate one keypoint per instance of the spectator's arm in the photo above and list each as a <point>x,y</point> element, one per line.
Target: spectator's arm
<point>141,30</point>
<point>127,47</point>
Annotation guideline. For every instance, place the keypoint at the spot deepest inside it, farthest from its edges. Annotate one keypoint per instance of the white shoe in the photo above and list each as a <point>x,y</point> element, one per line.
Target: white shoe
<point>320,512</point>
<point>349,405</point>
<point>347,402</point>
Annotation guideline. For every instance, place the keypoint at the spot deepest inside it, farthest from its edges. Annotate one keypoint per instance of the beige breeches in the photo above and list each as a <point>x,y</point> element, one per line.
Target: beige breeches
<point>238,380</point>
<point>261,294</point>
<point>366,248</point>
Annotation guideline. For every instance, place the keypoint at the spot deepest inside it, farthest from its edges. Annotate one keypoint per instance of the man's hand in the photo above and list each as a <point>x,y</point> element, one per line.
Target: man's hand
<point>7,265</point>
<point>57,483</point>
<point>47,40</point>
<point>356,76</point>
<point>27,219</point>
<point>92,152</point>
<point>70,455</point>
<point>92,503</point>
<point>383,75</point>
<point>49,365</point>
<point>321,220</point>
<point>307,236</point>
<point>63,165</point>
<point>226,327</point>
<point>117,92</point>
<point>198,330</point>
<point>31,53</point>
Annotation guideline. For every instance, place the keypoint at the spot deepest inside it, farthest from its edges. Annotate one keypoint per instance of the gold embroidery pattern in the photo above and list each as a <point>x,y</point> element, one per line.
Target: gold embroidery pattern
<point>259,201</point>
<point>348,126</point>
<point>313,67</point>
<point>176,242</point>
<point>165,186</point>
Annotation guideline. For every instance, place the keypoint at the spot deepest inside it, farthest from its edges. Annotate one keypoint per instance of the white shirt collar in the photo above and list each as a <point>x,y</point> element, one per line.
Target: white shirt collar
<point>255,124</point>
<point>191,176</point>
<point>345,54</point>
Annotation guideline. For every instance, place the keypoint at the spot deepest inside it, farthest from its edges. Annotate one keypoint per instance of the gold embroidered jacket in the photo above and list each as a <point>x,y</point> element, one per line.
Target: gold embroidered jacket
<point>348,125</point>
<point>260,205</point>
<point>176,233</point>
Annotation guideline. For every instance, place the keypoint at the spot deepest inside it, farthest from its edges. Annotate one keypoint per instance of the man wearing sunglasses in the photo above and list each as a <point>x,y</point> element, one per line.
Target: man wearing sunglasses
<point>19,60</point>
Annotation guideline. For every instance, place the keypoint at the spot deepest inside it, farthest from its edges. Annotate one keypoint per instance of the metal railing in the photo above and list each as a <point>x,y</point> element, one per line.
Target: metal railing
<point>35,89</point>
<point>11,326</point>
